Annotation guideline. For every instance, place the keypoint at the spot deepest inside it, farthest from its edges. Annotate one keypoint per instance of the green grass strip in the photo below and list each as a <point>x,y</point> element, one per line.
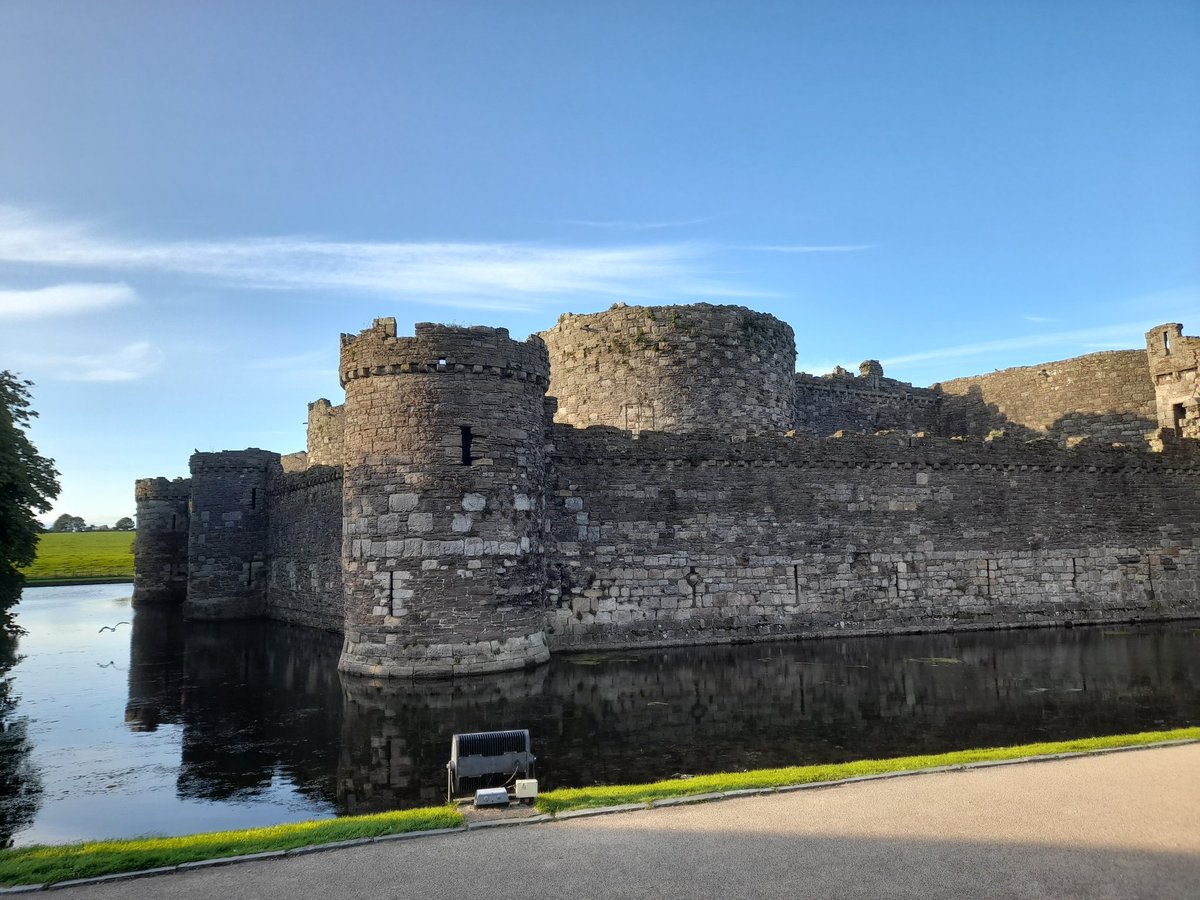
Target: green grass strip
<point>82,556</point>
<point>49,864</point>
<point>583,798</point>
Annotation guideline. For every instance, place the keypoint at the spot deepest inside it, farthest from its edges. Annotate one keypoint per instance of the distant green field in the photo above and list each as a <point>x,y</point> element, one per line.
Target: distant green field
<point>87,556</point>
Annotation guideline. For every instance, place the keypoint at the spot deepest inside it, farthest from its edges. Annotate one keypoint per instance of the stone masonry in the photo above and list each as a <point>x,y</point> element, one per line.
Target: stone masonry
<point>650,476</point>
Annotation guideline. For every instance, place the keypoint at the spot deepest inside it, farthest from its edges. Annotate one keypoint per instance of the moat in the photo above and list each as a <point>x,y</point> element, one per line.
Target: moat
<point>151,727</point>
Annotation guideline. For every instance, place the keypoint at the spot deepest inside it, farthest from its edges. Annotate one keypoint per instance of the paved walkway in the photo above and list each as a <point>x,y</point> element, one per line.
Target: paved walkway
<point>1121,825</point>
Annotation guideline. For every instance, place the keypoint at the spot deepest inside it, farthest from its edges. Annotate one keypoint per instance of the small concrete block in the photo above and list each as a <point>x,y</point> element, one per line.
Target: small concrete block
<point>749,792</point>
<point>599,811</point>
<point>407,835</point>
<point>683,801</point>
<point>230,860</point>
<point>335,845</point>
<point>497,823</point>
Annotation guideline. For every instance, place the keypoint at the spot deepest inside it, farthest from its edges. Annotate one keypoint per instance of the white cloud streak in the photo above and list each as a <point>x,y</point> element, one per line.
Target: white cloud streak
<point>812,248</point>
<point>638,226</point>
<point>473,275</point>
<point>1126,335</point>
<point>63,300</point>
<point>128,363</point>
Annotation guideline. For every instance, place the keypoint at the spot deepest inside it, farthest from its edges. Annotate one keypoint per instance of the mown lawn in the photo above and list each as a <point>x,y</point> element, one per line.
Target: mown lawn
<point>81,557</point>
<point>48,864</point>
<point>615,795</point>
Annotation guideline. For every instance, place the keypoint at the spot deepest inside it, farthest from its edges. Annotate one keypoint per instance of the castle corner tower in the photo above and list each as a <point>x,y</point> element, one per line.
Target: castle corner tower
<point>444,481</point>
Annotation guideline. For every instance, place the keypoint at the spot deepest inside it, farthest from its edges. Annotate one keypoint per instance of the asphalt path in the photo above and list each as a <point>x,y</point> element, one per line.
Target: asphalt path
<point>1120,825</point>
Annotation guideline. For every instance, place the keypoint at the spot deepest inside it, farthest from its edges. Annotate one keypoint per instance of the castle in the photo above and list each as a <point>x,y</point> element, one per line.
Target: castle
<point>651,476</point>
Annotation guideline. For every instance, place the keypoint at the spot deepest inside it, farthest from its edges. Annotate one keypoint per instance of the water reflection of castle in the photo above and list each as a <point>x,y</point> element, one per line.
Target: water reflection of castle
<point>262,699</point>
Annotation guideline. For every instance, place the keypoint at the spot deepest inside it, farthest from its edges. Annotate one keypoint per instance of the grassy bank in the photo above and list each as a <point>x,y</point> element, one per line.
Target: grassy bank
<point>94,556</point>
<point>45,865</point>
<point>582,798</point>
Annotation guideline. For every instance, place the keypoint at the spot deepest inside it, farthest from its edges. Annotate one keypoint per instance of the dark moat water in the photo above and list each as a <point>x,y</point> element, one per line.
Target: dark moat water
<point>157,728</point>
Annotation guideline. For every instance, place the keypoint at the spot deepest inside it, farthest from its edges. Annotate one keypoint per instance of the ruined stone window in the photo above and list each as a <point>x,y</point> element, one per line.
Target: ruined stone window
<point>1178,414</point>
<point>466,444</point>
<point>1166,342</point>
<point>254,498</point>
<point>441,364</point>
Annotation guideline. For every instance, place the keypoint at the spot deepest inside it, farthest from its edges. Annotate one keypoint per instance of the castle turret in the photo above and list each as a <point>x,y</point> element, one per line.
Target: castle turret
<point>444,454</point>
<point>160,547</point>
<point>679,369</point>
<point>228,541</point>
<point>325,429</point>
<point>1173,358</point>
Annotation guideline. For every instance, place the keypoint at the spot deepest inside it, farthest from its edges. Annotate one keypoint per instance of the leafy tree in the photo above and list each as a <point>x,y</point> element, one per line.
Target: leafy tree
<point>28,484</point>
<point>68,522</point>
<point>124,524</point>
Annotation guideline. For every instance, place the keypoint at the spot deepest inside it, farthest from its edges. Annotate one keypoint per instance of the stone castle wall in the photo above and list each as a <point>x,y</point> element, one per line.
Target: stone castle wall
<point>664,540</point>
<point>305,550</point>
<point>160,545</point>
<point>678,369</point>
<point>326,428</point>
<point>867,403</point>
<point>1108,396</point>
<point>443,564</point>
<point>445,524</point>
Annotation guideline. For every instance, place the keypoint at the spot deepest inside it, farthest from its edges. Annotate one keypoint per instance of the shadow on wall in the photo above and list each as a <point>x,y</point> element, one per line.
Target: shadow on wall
<point>971,414</point>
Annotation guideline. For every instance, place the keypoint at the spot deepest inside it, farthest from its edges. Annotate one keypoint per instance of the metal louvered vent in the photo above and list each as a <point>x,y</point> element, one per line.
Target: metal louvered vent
<point>489,755</point>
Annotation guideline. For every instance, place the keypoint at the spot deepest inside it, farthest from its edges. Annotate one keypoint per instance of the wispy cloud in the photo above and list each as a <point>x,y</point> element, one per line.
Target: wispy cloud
<point>812,248</point>
<point>63,300</point>
<point>638,226</point>
<point>471,275</point>
<point>1127,334</point>
<point>1039,319</point>
<point>128,363</point>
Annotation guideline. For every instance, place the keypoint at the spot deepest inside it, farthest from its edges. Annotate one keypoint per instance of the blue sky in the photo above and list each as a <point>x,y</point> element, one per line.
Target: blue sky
<point>197,198</point>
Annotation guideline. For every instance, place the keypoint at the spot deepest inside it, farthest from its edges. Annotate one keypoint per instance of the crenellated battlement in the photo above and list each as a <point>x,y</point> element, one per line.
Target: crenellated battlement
<point>442,349</point>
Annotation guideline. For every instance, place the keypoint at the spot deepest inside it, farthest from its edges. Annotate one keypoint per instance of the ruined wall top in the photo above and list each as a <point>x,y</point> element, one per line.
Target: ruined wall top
<point>251,458</point>
<point>162,489</point>
<point>441,348</point>
<point>673,368</point>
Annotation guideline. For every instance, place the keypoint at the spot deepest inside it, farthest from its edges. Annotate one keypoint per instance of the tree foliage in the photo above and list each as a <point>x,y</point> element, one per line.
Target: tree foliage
<point>68,522</point>
<point>124,524</point>
<point>28,484</point>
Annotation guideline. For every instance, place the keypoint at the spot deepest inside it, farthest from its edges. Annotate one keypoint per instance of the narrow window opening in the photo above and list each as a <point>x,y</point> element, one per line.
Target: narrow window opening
<point>253,498</point>
<point>392,587</point>
<point>1166,342</point>
<point>466,444</point>
<point>174,516</point>
<point>1178,414</point>
<point>441,364</point>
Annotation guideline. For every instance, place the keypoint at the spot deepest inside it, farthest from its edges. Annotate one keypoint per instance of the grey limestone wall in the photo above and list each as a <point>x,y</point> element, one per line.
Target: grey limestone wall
<point>1108,396</point>
<point>229,533</point>
<point>305,549</point>
<point>443,564</point>
<point>867,402</point>
<point>664,540</point>
<point>160,547</point>
<point>326,425</point>
<point>677,369</point>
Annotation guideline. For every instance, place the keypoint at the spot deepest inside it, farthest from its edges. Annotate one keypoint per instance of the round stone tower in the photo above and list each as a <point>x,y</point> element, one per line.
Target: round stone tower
<point>444,461</point>
<point>680,369</point>
<point>160,547</point>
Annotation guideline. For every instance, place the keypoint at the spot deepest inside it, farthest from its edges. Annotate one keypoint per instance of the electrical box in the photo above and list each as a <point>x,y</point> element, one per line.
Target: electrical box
<point>526,788</point>
<point>491,797</point>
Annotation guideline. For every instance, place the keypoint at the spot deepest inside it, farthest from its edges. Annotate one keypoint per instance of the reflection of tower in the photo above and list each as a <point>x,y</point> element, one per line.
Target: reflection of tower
<point>155,668</point>
<point>228,539</point>
<point>262,701</point>
<point>444,452</point>
<point>160,546</point>
<point>396,740</point>
<point>20,783</point>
